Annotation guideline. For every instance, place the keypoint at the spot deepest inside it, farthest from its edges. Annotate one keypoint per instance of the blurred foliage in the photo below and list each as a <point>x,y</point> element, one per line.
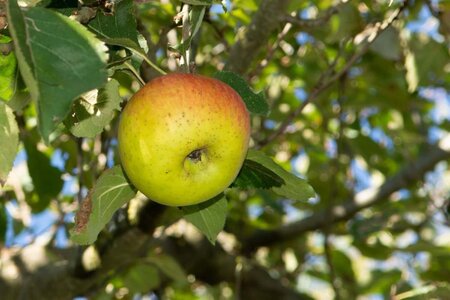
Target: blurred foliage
<point>380,115</point>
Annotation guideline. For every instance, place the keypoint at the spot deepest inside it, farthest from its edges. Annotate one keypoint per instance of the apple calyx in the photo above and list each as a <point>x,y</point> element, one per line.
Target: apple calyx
<point>196,155</point>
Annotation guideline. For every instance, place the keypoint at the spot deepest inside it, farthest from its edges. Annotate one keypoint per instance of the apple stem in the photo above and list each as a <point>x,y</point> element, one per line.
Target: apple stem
<point>135,73</point>
<point>148,61</point>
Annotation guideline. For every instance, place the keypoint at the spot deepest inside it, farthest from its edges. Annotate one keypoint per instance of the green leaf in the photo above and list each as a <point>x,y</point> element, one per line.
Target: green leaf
<point>381,282</point>
<point>439,267</point>
<point>350,22</point>
<point>125,43</point>
<point>142,278</point>
<point>59,60</point>
<point>201,2</point>
<point>90,115</point>
<point>254,174</point>
<point>120,24</point>
<point>46,178</point>
<point>18,30</point>
<point>209,217</point>
<point>111,191</point>
<point>8,71</point>
<point>292,187</point>
<point>9,141</point>
<point>387,44</point>
<point>343,266</point>
<point>256,102</point>
<point>169,266</point>
<point>430,68</point>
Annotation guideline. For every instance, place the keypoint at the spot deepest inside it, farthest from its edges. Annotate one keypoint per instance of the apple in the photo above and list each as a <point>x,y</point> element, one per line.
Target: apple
<point>183,138</point>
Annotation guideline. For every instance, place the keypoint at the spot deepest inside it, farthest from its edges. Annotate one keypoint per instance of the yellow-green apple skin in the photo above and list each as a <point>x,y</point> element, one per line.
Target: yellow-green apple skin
<point>183,138</point>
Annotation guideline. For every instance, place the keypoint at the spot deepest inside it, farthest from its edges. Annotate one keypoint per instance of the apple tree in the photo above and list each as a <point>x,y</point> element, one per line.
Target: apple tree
<point>343,192</point>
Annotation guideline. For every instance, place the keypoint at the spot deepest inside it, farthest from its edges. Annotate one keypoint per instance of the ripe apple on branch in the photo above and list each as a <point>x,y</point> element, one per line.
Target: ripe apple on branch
<point>183,138</point>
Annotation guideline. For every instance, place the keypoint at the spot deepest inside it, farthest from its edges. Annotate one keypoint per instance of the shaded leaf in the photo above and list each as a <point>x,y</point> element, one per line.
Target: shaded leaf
<point>142,278</point>
<point>439,267</point>
<point>169,266</point>
<point>343,266</point>
<point>293,187</point>
<point>430,68</point>
<point>376,250</point>
<point>350,21</point>
<point>91,115</point>
<point>387,44</point>
<point>256,102</point>
<point>9,141</point>
<point>209,217</point>
<point>46,178</point>
<point>111,191</point>
<point>254,174</point>
<point>125,43</point>
<point>121,23</point>
<point>48,45</point>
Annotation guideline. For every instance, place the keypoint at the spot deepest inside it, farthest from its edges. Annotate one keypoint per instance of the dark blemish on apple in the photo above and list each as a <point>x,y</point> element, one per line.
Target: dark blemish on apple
<point>167,172</point>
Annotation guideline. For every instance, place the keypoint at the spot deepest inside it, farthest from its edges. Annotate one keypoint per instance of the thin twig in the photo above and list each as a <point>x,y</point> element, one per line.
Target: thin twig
<point>185,33</point>
<point>312,23</point>
<point>271,51</point>
<point>134,72</point>
<point>324,83</point>
<point>148,61</point>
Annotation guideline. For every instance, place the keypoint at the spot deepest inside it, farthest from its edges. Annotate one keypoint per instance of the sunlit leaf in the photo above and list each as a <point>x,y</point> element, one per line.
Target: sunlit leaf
<point>47,45</point>
<point>90,115</point>
<point>9,140</point>
<point>111,191</point>
<point>202,2</point>
<point>8,71</point>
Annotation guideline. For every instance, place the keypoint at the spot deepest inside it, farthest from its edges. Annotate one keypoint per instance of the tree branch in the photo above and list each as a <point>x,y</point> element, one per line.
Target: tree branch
<point>331,76</point>
<point>313,23</point>
<point>257,33</point>
<point>56,279</point>
<point>342,212</point>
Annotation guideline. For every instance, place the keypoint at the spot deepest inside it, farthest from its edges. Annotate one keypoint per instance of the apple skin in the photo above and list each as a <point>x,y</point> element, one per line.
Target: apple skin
<point>183,138</point>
